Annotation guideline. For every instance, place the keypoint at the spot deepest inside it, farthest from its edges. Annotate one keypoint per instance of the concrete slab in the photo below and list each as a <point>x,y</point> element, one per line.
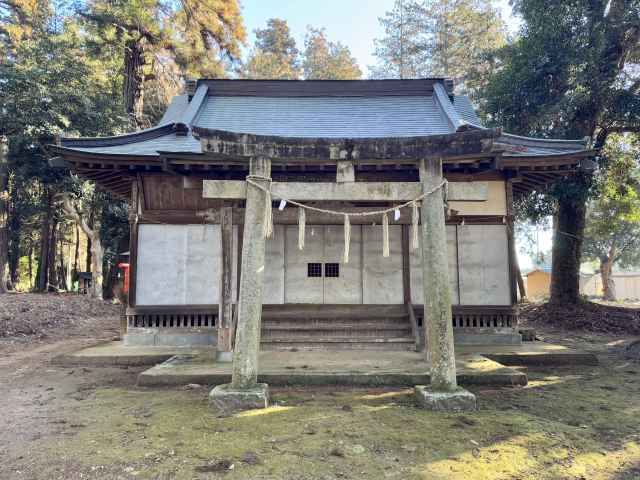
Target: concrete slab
<point>532,353</point>
<point>382,366</point>
<point>117,354</point>
<point>347,368</point>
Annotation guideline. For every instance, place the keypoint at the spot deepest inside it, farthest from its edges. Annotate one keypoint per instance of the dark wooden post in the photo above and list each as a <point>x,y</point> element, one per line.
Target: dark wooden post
<point>134,208</point>
<point>225,306</point>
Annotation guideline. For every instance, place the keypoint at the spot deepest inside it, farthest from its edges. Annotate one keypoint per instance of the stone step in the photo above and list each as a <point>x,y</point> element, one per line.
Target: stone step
<point>321,335</point>
<point>336,323</point>
<point>336,326</point>
<point>339,343</point>
<point>335,312</point>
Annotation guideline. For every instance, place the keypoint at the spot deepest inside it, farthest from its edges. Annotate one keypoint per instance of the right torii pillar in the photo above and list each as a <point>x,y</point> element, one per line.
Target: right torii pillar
<point>443,393</point>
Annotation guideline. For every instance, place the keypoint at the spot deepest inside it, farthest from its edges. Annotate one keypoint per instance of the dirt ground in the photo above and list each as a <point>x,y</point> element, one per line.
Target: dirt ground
<point>578,422</point>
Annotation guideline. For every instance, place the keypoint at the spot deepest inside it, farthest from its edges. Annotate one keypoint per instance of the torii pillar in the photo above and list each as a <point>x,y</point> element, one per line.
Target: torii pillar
<point>244,391</point>
<point>443,393</point>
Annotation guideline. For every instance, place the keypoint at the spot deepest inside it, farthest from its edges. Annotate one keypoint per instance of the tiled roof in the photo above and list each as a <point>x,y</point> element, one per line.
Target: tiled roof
<point>326,117</point>
<point>359,109</point>
<point>465,109</point>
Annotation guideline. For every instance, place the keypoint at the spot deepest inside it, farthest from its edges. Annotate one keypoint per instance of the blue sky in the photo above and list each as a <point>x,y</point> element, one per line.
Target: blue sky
<point>352,22</point>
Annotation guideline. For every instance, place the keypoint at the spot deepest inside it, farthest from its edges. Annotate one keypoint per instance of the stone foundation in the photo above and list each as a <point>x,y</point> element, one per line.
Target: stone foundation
<point>170,337</point>
<point>459,400</point>
<point>227,399</point>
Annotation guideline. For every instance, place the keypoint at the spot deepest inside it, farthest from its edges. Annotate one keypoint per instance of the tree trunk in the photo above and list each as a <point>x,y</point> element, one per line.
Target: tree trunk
<point>97,252</point>
<point>606,267</point>
<point>31,285</point>
<point>4,213</point>
<point>97,256</point>
<point>520,280</point>
<point>567,250</point>
<point>88,260</point>
<point>62,275</point>
<point>45,237</point>
<point>14,248</point>
<point>53,274</point>
<point>134,81</point>
<point>76,254</point>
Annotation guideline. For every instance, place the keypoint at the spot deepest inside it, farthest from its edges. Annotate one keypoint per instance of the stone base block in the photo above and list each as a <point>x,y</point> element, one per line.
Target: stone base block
<point>227,399</point>
<point>170,337</point>
<point>459,400</point>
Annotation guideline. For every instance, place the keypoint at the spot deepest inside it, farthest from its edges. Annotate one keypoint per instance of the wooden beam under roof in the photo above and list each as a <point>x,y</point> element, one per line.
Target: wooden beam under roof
<point>237,145</point>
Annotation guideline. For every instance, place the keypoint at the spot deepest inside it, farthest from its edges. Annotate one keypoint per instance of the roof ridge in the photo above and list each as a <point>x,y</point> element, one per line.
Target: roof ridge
<point>450,112</point>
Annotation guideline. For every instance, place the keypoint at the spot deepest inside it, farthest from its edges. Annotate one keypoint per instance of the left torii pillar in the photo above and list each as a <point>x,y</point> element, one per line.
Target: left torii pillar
<point>244,391</point>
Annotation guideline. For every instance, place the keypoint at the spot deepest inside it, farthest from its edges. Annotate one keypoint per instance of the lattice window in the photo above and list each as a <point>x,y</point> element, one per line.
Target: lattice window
<point>314,270</point>
<point>332,270</point>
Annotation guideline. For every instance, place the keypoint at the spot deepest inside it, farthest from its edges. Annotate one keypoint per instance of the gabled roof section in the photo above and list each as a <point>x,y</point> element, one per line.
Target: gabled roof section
<point>172,137</point>
<point>323,109</point>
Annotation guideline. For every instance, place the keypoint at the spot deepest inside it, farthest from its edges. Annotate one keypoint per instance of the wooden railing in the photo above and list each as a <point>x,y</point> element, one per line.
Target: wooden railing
<point>172,316</point>
<point>476,318</point>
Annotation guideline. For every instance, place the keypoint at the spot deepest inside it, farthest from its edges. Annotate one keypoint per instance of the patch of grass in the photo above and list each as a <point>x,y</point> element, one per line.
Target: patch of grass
<point>567,423</point>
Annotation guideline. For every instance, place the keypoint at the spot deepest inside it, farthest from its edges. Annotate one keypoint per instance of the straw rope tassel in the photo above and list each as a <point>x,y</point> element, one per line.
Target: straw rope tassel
<point>302,223</point>
<point>347,238</point>
<point>414,226</point>
<point>385,235</point>
<point>268,214</point>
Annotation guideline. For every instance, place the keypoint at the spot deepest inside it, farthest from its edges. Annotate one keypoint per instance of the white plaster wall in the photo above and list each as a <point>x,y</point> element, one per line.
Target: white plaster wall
<point>415,263</point>
<point>273,290</point>
<point>496,203</point>
<point>298,288</point>
<point>382,277</point>
<point>347,288</point>
<point>484,267</point>
<point>178,265</point>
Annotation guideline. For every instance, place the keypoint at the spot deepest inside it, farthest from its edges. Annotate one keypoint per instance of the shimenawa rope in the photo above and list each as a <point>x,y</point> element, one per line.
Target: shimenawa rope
<point>268,216</point>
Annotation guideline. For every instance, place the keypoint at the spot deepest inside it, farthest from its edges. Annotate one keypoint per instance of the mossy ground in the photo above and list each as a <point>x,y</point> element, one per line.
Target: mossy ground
<point>568,423</point>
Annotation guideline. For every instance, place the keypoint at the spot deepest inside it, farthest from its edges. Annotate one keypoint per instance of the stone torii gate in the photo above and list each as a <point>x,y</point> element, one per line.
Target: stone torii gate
<point>244,391</point>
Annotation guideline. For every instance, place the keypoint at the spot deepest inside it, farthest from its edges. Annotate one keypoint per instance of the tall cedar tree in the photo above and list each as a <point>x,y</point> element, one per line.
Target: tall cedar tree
<point>450,38</point>
<point>325,60</point>
<point>274,54</point>
<point>197,36</point>
<point>572,73</point>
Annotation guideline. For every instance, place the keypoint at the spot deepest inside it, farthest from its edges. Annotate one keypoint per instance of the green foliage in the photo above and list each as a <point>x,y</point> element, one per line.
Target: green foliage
<point>158,43</point>
<point>451,38</point>
<point>50,84</point>
<point>275,55</point>
<point>572,73</point>
<point>613,221</point>
<point>325,60</point>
